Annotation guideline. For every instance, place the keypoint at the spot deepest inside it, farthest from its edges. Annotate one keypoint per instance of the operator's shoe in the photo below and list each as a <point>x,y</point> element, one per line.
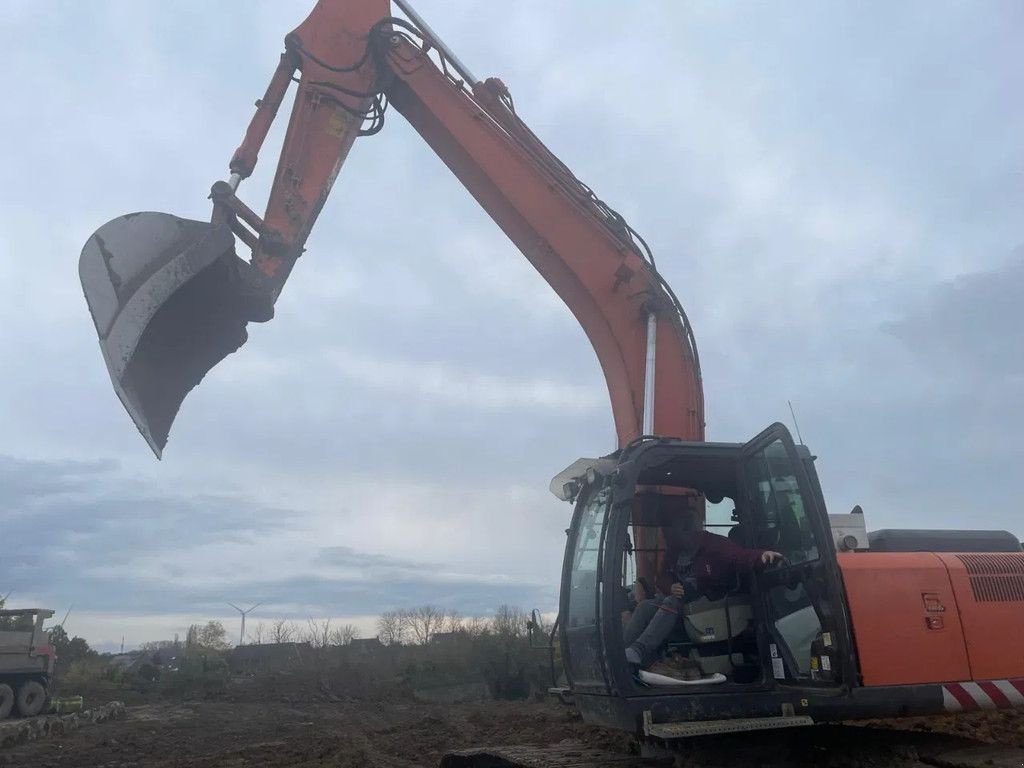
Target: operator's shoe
<point>679,667</point>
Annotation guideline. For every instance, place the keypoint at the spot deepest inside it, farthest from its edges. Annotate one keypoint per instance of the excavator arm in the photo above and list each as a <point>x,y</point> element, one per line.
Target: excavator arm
<point>171,298</point>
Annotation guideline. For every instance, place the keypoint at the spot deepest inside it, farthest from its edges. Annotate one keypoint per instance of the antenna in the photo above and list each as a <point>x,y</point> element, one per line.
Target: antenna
<point>241,635</point>
<point>66,616</point>
<point>795,423</point>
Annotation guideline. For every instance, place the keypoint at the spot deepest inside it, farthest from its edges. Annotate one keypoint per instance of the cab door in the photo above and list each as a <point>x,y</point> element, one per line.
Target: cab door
<point>803,632</point>
<point>580,604</point>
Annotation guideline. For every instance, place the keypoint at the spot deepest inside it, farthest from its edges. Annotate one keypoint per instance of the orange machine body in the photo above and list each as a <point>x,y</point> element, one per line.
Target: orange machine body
<point>920,617</point>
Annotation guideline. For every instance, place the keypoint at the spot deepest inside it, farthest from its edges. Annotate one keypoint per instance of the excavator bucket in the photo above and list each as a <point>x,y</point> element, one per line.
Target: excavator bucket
<point>164,296</point>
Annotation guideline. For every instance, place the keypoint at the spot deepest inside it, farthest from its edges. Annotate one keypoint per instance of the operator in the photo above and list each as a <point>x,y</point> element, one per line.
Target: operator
<point>698,563</point>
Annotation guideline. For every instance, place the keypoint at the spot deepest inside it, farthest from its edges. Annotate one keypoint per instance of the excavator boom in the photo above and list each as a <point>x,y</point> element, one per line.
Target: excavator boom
<point>170,298</point>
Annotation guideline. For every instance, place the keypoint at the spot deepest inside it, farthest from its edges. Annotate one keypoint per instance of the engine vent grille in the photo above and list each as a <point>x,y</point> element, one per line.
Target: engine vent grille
<point>996,578</point>
<point>992,565</point>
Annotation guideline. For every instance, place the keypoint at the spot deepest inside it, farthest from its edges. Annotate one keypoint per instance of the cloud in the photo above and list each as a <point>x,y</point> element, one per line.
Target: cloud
<point>971,327</point>
<point>23,480</point>
<point>920,410</point>
<point>117,548</point>
<point>72,520</point>
<point>438,381</point>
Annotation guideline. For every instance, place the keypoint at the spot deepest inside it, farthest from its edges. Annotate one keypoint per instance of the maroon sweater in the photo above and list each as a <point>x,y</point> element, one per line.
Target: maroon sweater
<point>715,565</point>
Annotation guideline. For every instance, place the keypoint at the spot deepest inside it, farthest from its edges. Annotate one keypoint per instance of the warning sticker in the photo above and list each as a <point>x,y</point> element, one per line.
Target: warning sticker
<point>778,669</point>
<point>826,663</point>
<point>774,650</point>
<point>814,663</point>
<point>826,638</point>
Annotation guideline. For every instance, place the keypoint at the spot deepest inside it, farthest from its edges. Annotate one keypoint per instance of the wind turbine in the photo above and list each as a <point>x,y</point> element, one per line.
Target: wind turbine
<point>241,636</point>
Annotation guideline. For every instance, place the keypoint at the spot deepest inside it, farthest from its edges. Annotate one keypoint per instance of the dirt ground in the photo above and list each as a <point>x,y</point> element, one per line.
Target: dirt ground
<point>218,733</point>
<point>336,734</point>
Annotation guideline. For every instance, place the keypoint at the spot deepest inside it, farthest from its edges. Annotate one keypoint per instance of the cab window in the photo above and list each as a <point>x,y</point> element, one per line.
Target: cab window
<point>779,506</point>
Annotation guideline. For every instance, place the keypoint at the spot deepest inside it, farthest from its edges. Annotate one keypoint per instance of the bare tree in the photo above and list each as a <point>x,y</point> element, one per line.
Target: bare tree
<point>318,633</point>
<point>282,631</point>
<point>424,622</point>
<point>258,635</point>
<point>391,628</point>
<point>477,626</point>
<point>453,622</point>
<point>509,622</point>
<point>405,622</point>
<point>344,635</point>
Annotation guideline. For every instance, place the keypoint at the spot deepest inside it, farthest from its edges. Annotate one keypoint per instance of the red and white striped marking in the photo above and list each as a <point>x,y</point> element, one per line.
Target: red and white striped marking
<point>991,694</point>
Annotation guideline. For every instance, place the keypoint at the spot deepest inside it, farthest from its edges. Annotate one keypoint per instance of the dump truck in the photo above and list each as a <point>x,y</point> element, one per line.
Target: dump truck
<point>27,658</point>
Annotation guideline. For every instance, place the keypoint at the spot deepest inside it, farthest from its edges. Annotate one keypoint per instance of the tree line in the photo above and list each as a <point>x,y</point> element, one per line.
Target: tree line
<point>419,626</point>
<point>214,636</point>
<point>406,626</point>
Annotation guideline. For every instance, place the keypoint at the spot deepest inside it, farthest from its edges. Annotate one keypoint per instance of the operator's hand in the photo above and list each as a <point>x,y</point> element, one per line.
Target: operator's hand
<point>677,590</point>
<point>770,557</point>
<point>640,592</point>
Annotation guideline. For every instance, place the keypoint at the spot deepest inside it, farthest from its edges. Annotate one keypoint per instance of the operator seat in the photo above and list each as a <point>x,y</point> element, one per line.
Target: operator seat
<point>709,621</point>
<point>717,632</point>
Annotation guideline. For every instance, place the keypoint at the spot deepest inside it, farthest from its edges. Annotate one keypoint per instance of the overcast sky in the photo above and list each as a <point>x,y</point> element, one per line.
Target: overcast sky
<point>835,191</point>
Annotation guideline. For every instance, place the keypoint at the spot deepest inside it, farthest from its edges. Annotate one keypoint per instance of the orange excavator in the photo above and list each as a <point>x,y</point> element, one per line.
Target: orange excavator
<point>845,625</point>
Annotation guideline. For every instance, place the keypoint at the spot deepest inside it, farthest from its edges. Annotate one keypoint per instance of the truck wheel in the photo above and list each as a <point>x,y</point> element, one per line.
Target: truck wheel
<point>6,700</point>
<point>31,698</point>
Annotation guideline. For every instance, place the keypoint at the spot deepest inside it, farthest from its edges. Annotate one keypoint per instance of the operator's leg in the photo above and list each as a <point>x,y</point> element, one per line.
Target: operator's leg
<point>641,617</point>
<point>644,648</point>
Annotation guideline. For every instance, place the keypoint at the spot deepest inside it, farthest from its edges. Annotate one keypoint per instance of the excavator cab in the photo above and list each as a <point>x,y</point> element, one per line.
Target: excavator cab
<point>777,633</point>
<point>168,298</point>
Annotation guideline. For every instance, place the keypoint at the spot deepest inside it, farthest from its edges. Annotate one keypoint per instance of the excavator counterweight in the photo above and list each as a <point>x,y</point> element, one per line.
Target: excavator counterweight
<point>164,294</point>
